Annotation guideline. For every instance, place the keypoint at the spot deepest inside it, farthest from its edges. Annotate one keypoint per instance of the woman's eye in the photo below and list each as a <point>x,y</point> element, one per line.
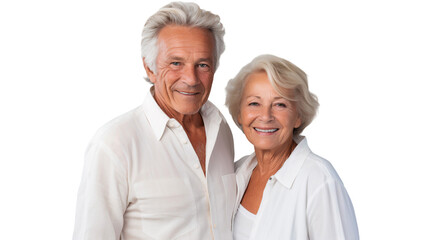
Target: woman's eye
<point>253,104</point>
<point>281,105</point>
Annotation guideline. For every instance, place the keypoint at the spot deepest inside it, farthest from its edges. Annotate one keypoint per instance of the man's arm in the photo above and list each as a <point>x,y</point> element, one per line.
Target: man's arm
<point>102,196</point>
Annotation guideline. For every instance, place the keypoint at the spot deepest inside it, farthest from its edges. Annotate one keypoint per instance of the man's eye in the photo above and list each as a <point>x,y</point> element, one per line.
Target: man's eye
<point>175,63</point>
<point>203,65</point>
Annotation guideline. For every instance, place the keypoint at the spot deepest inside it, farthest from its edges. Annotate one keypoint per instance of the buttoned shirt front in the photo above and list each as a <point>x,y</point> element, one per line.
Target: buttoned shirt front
<point>142,179</point>
<point>304,200</point>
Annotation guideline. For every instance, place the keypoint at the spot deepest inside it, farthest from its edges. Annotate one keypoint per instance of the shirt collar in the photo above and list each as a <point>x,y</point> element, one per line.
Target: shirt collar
<point>288,172</point>
<point>243,169</point>
<point>246,165</point>
<point>158,120</point>
<point>156,117</point>
<point>210,114</point>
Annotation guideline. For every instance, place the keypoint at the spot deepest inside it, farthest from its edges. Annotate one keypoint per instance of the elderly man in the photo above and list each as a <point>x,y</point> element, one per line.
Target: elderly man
<point>165,169</point>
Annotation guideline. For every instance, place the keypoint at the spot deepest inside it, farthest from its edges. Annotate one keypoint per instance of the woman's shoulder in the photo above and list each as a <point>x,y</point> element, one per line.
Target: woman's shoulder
<point>319,169</point>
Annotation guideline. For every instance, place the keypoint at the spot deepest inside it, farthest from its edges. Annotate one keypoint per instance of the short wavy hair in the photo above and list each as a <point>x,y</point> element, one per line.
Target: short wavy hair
<point>184,14</point>
<point>284,77</point>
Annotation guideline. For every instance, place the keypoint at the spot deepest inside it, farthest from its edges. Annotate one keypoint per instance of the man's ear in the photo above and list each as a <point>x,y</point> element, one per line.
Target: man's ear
<point>149,72</point>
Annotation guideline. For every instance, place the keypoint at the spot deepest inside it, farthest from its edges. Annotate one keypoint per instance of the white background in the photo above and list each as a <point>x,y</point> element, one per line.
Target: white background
<point>67,67</point>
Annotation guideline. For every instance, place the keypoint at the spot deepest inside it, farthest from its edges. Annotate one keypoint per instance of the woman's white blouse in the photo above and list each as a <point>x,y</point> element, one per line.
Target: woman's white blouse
<point>304,200</point>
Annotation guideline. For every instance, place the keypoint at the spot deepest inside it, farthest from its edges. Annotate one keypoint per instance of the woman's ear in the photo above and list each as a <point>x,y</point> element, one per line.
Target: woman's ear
<point>298,123</point>
<point>149,72</point>
<point>239,119</point>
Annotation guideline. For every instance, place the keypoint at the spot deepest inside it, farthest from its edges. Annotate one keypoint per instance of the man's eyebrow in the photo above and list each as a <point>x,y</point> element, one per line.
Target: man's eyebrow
<point>177,58</point>
<point>172,58</point>
<point>205,60</point>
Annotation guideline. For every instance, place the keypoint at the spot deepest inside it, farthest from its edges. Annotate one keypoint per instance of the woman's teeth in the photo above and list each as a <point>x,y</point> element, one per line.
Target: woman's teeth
<point>266,130</point>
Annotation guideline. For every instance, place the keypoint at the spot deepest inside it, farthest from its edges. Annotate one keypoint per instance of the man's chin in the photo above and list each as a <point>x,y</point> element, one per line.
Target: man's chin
<point>189,111</point>
<point>188,107</point>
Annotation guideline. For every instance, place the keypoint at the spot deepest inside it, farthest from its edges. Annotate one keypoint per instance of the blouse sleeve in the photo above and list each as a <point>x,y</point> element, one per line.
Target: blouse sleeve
<point>331,214</point>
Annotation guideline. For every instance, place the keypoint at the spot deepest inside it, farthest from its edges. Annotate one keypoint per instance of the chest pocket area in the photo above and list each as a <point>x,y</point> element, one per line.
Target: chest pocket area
<point>167,207</point>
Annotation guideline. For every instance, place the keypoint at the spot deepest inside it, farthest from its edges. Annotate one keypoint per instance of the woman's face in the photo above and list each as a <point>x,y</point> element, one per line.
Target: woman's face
<point>267,118</point>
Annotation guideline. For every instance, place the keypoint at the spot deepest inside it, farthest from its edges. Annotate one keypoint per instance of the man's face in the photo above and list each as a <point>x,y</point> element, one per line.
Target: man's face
<point>185,69</point>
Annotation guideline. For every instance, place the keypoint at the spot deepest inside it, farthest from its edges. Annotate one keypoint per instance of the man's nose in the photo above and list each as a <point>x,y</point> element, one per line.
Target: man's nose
<point>189,75</point>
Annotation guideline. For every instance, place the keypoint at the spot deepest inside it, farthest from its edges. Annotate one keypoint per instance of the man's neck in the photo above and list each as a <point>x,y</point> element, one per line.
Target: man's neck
<point>193,125</point>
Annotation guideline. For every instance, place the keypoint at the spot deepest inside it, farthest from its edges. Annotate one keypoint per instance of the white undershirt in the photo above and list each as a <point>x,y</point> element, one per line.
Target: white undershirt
<point>243,223</point>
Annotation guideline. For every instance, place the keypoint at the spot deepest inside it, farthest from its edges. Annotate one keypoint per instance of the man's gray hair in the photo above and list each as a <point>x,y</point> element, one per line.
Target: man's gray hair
<point>184,14</point>
<point>284,76</point>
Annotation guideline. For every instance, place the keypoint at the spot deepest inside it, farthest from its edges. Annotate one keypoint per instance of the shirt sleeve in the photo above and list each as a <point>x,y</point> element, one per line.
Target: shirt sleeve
<point>331,214</point>
<point>102,196</point>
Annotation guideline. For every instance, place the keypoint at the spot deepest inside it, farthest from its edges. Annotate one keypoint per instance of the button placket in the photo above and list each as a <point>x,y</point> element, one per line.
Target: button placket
<point>188,150</point>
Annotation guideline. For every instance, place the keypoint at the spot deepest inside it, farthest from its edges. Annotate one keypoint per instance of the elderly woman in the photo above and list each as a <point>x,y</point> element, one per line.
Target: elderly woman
<point>286,191</point>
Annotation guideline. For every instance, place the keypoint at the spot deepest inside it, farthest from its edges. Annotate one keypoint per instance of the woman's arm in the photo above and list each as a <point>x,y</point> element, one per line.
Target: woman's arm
<point>330,213</point>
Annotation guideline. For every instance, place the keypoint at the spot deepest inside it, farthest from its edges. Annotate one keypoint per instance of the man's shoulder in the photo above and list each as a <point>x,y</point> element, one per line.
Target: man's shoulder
<point>210,110</point>
<point>120,127</point>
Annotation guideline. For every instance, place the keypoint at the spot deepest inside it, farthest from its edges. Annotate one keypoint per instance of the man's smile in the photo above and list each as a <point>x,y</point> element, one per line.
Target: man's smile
<point>188,93</point>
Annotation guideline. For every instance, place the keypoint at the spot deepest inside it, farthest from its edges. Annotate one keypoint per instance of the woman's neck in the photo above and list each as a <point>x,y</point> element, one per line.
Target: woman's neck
<point>270,161</point>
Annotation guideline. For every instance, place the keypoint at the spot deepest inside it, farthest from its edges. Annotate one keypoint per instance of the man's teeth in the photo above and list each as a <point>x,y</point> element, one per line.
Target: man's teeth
<point>187,93</point>
<point>266,130</point>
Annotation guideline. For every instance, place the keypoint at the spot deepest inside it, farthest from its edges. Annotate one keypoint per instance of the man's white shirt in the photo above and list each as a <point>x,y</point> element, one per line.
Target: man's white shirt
<point>142,179</point>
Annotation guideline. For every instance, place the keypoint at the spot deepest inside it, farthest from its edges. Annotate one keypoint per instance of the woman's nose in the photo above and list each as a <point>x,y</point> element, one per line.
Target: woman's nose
<point>266,114</point>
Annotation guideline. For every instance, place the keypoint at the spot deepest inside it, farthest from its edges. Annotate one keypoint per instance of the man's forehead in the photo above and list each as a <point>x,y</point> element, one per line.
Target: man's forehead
<point>182,35</point>
<point>182,29</point>
<point>181,42</point>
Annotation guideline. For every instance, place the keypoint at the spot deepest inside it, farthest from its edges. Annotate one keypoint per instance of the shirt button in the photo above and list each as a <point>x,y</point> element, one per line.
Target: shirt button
<point>184,141</point>
<point>196,165</point>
